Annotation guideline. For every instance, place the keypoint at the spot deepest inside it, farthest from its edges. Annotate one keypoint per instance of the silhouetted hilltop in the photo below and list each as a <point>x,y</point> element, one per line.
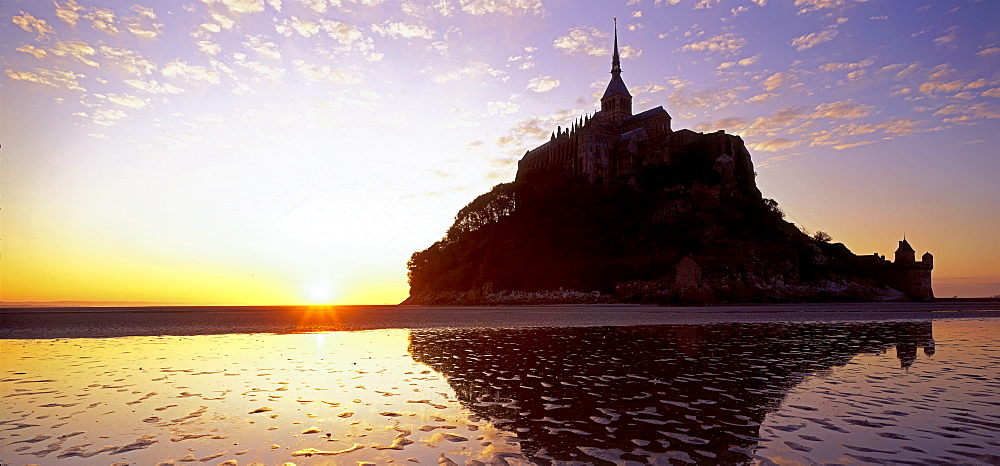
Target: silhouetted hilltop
<point>680,232</point>
<point>619,207</point>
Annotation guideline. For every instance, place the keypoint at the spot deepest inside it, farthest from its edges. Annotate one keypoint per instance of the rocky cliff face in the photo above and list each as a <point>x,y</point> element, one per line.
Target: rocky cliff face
<point>683,222</point>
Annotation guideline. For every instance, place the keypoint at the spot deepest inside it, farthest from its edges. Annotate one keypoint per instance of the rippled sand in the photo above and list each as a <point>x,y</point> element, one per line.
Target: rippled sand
<point>345,396</point>
<point>792,393</point>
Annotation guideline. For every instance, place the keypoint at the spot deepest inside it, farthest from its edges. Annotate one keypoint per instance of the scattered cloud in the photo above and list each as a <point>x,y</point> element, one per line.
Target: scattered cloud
<point>543,84</point>
<point>581,41</point>
<point>813,39</point>
<point>398,30</point>
<point>75,49</point>
<point>741,62</point>
<point>962,113</point>
<point>948,39</point>
<point>728,43</point>
<point>852,144</point>
<point>32,24</point>
<point>325,73</point>
<point>777,80</point>
<point>476,69</point>
<point>834,66</point>
<point>239,6</point>
<point>806,6</point>
<point>504,7</point>
<point>845,109</point>
<point>190,73</point>
<point>55,78</point>
<point>68,12</point>
<point>988,51</point>
<point>774,145</point>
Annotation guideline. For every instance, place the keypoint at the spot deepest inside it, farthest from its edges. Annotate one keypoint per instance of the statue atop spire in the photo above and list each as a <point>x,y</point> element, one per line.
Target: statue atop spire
<point>617,102</point>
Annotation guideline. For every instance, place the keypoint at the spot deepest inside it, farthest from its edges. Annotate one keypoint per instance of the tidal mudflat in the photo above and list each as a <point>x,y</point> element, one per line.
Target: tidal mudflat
<point>915,391</point>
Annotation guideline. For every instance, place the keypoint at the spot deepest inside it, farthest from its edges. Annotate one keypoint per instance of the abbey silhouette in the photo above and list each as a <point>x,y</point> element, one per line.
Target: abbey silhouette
<point>619,207</point>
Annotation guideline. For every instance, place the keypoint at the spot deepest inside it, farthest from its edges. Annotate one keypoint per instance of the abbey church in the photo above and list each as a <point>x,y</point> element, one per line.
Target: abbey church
<point>613,144</point>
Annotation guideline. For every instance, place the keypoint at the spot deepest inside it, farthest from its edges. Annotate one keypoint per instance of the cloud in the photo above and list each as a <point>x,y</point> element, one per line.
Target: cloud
<point>345,33</point>
<point>473,70</point>
<point>505,7</point>
<point>103,19</point>
<point>55,78</point>
<point>398,30</point>
<point>585,40</point>
<point>728,43</point>
<point>965,113</point>
<point>813,39</point>
<point>107,117</point>
<point>761,97</point>
<point>775,145</point>
<point>833,66</point>
<point>705,99</point>
<point>32,50</point>
<point>852,144</point>
<point>190,73</point>
<point>727,124</point>
<point>581,41</point>
<point>543,84</point>
<point>68,12</point>
<point>263,48</point>
<point>76,49</point>
<point>124,100</point>
<point>806,6</point>
<point>948,39</point>
<point>32,24</point>
<point>294,25</point>
<point>498,108</point>
<point>777,80</point>
<point>153,86</point>
<point>844,109</point>
<point>742,62</point>
<point>325,73</point>
<point>239,6</point>
<point>988,51</point>
<point>939,82</point>
<point>129,60</point>
<point>900,126</point>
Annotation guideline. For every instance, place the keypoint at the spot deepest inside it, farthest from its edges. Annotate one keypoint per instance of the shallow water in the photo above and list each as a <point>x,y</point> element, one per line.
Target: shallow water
<point>790,393</point>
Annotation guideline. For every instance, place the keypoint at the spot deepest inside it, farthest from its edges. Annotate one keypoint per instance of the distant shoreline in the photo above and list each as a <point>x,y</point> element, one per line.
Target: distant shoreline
<point>103,322</point>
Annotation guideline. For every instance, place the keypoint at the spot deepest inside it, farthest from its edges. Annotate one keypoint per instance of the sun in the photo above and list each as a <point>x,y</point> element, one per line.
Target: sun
<point>320,292</point>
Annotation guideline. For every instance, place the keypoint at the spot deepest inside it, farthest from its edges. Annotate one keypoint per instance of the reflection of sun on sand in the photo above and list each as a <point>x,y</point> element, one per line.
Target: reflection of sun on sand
<point>353,396</point>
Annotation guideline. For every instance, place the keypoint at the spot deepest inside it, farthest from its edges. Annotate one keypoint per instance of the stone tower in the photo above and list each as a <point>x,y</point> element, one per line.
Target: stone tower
<point>616,104</point>
<point>911,277</point>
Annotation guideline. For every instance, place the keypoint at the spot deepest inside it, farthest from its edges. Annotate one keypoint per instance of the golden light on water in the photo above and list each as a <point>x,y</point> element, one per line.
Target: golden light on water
<point>236,397</point>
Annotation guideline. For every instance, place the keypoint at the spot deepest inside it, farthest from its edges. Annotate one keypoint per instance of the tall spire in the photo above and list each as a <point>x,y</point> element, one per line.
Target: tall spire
<point>616,66</point>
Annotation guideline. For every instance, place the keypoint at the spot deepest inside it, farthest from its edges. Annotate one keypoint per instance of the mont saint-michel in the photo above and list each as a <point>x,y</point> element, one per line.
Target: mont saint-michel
<point>620,207</point>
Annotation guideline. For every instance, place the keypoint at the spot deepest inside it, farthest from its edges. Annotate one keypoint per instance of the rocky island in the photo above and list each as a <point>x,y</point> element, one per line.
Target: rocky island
<point>619,207</point>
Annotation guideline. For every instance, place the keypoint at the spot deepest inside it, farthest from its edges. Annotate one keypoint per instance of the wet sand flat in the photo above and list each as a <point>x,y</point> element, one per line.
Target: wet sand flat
<point>202,320</point>
<point>762,389</point>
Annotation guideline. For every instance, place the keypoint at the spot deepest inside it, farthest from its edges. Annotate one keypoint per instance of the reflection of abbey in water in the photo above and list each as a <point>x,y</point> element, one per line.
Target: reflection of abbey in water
<point>694,393</point>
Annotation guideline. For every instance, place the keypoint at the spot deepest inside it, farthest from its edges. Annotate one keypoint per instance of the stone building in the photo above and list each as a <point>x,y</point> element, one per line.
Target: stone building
<point>908,275</point>
<point>612,145</point>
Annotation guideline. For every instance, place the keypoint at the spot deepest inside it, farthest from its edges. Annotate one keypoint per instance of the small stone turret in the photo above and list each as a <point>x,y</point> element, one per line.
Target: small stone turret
<point>905,253</point>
